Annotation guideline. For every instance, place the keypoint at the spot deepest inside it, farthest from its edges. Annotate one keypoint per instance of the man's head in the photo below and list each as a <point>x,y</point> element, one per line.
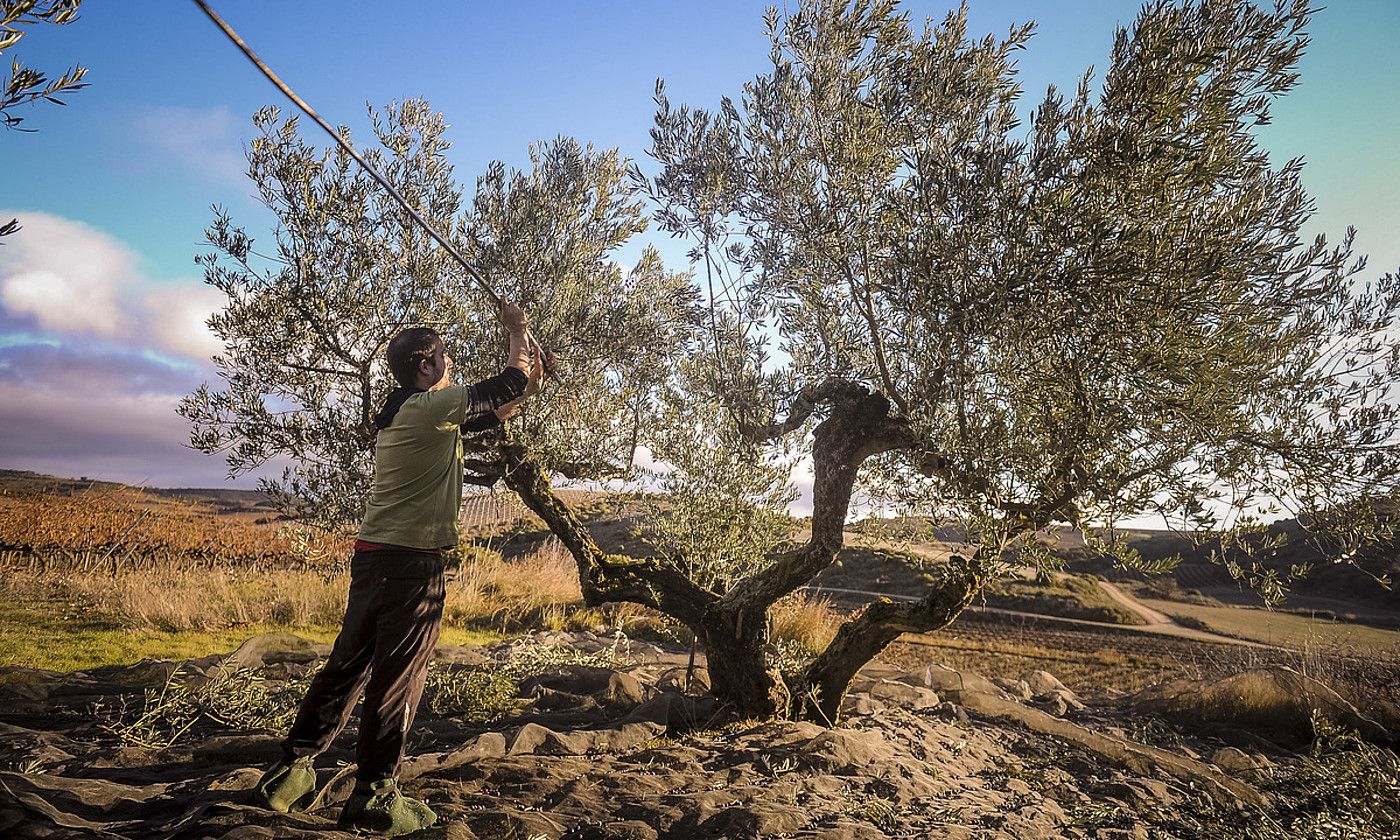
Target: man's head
<point>417,359</point>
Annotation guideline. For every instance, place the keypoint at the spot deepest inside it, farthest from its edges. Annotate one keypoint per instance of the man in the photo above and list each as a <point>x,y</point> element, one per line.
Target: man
<point>396,577</point>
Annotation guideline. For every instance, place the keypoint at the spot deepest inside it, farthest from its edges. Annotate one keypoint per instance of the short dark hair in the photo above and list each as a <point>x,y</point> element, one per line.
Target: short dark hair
<point>407,349</point>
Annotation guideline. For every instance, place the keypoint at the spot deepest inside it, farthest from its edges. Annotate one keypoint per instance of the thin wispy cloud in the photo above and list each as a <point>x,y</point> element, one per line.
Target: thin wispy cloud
<point>205,141</point>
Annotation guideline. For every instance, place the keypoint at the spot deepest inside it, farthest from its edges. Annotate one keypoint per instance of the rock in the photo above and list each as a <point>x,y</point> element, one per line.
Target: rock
<point>847,829</point>
<point>1139,793</point>
<point>673,709</point>
<point>238,749</point>
<point>622,690</point>
<point>487,744</point>
<point>1016,688</point>
<point>1042,682</point>
<point>858,703</point>
<point>528,738</point>
<point>848,751</point>
<point>951,711</point>
<point>952,684</point>
<point>1234,759</point>
<point>914,697</point>
<point>596,741</point>
<point>572,679</point>
<point>611,830</point>
<point>462,656</point>
<point>1058,702</point>
<point>1139,758</point>
<point>513,823</point>
<point>551,700</point>
<point>674,680</point>
<point>759,819</point>
<point>267,648</point>
<point>1054,704</point>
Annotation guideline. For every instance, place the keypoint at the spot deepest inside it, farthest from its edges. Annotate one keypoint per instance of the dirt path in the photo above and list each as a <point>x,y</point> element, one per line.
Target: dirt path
<point>1128,602</point>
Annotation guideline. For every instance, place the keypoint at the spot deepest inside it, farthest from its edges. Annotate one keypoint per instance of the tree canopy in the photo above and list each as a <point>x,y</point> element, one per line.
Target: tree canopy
<point>1104,314</point>
<point>306,322</point>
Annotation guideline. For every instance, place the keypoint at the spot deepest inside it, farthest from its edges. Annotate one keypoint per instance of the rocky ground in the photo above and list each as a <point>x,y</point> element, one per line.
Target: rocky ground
<point>587,736</point>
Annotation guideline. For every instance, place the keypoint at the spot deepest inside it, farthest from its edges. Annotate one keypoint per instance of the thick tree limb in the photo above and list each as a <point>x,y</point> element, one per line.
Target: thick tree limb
<point>483,473</point>
<point>802,407</point>
<point>857,427</point>
<point>824,683</point>
<point>603,577</point>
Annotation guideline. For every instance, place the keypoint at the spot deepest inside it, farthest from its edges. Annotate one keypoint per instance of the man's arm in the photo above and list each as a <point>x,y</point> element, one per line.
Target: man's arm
<point>506,411</point>
<point>486,400</point>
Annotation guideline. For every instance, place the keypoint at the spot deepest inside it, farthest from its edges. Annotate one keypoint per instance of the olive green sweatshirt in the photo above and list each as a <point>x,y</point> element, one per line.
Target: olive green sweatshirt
<point>418,462</point>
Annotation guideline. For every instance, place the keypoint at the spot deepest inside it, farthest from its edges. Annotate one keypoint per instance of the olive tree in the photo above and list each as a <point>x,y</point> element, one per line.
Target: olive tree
<point>1106,313</point>
<point>307,319</point>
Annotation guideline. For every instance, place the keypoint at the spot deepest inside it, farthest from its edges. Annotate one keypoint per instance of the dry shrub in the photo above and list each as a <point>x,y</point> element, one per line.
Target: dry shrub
<point>538,590</point>
<point>213,600</point>
<point>804,620</point>
<point>1368,679</point>
<point>535,590</point>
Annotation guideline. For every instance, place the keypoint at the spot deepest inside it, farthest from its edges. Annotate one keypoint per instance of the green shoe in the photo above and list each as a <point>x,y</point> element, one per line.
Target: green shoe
<point>287,787</point>
<point>383,809</point>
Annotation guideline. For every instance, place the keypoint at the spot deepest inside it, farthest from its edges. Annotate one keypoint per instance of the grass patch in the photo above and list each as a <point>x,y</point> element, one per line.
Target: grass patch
<point>805,620</point>
<point>1069,596</point>
<point>1283,629</point>
<point>39,634</point>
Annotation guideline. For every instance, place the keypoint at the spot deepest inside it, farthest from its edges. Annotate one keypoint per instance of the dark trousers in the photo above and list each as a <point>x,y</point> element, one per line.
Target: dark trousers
<point>391,625</point>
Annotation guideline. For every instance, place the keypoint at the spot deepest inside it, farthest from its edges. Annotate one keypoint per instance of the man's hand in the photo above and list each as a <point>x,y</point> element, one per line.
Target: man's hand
<point>513,318</point>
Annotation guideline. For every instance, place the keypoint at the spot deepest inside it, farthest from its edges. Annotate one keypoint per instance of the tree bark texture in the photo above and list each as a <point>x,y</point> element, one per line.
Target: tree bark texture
<point>857,427</point>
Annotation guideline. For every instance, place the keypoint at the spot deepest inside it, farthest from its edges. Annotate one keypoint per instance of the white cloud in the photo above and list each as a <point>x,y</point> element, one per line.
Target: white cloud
<point>73,281</point>
<point>206,140</point>
<point>180,314</point>
<point>64,276</point>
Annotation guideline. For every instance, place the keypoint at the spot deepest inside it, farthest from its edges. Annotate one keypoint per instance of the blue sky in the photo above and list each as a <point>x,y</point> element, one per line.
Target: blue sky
<point>115,189</point>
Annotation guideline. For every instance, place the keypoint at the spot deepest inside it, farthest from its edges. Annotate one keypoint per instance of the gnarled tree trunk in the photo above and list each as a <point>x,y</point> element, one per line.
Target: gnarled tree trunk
<point>733,627</point>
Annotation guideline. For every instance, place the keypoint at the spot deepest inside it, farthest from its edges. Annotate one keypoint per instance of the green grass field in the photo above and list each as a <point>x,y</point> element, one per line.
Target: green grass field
<point>34,635</point>
<point>1284,629</point>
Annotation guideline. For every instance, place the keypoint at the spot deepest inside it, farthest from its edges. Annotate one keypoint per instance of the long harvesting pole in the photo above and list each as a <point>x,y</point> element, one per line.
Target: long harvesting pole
<point>451,249</point>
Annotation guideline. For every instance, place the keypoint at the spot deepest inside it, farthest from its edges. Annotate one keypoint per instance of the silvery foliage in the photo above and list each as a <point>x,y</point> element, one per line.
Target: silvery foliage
<point>1104,313</point>
<point>720,503</point>
<point>306,321</point>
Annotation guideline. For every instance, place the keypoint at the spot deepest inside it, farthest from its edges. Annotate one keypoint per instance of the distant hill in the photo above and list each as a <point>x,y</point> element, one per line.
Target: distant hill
<point>1340,582</point>
<point>1327,582</point>
<point>222,500</point>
